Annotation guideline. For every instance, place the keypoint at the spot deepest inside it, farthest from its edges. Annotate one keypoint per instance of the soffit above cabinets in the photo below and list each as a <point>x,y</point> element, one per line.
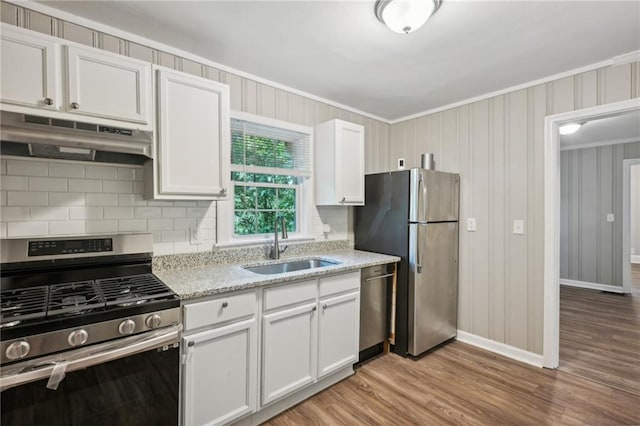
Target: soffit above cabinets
<point>338,50</point>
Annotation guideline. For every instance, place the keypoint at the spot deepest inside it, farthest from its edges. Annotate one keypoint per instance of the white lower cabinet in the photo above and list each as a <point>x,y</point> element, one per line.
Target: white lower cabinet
<point>338,333</point>
<point>289,348</point>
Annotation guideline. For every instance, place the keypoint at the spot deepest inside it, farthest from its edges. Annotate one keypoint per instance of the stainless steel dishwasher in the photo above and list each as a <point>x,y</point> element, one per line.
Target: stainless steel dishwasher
<point>375,294</point>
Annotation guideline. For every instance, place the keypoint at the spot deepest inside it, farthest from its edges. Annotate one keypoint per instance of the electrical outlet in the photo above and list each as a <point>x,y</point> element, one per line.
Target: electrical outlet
<point>195,236</point>
<point>401,163</point>
<point>518,227</point>
<point>471,224</point>
<point>610,218</point>
<point>326,228</point>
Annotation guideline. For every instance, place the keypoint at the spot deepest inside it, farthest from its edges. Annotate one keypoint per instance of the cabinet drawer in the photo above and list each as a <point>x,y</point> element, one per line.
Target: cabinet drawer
<point>219,310</point>
<point>289,294</point>
<point>339,283</point>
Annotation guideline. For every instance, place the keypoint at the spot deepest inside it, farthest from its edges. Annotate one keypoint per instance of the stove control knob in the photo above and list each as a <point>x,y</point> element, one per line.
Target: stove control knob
<point>18,350</point>
<point>153,321</point>
<point>78,337</point>
<point>127,327</point>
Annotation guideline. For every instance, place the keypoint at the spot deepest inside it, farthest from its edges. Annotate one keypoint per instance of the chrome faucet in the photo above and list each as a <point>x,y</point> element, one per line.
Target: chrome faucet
<point>275,250</point>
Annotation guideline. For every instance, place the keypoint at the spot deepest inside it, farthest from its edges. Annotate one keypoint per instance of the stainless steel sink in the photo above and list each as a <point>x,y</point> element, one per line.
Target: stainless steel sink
<point>296,265</point>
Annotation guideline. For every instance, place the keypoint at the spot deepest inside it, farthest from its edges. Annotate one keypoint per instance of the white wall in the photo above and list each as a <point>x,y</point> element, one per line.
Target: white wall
<point>635,211</point>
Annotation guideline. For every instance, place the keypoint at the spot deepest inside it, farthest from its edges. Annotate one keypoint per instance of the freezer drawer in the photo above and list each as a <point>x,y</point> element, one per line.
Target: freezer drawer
<point>433,285</point>
<point>374,305</point>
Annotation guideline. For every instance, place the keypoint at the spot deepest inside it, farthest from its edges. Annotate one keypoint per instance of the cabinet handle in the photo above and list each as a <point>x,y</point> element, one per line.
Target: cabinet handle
<point>223,191</point>
<point>191,343</point>
<point>315,308</point>
<point>225,304</point>
<point>48,101</point>
<point>75,105</point>
<point>324,306</point>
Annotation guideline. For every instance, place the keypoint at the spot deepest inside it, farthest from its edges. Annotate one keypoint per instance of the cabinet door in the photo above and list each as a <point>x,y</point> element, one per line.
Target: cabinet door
<point>349,163</point>
<point>193,135</point>
<point>220,374</point>
<point>338,333</point>
<point>289,351</point>
<point>29,66</point>
<point>106,85</point>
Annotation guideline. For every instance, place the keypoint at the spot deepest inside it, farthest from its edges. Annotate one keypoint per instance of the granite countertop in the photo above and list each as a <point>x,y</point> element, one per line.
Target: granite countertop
<point>191,283</point>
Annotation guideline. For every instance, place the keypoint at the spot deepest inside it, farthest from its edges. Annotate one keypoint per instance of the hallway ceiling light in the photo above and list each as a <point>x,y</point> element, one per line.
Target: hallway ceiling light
<point>405,16</point>
<point>569,129</point>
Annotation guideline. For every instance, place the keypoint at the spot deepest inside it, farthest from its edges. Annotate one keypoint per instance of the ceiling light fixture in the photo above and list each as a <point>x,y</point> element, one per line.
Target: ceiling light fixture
<point>405,16</point>
<point>569,129</point>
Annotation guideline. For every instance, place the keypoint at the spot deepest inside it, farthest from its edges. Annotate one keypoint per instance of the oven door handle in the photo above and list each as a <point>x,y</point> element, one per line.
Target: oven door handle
<point>41,368</point>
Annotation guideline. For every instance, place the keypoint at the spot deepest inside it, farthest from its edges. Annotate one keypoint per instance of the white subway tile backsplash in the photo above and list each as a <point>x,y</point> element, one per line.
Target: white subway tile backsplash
<point>122,187</point>
<point>14,183</point>
<point>102,199</point>
<point>3,167</point>
<point>66,199</point>
<point>184,223</point>
<point>13,214</point>
<point>3,230</point>
<point>118,212</point>
<point>185,203</point>
<point>160,249</point>
<point>85,212</point>
<point>101,226</point>
<point>138,187</point>
<point>132,225</point>
<point>51,184</point>
<point>126,173</point>
<point>178,212</point>
<point>187,247</point>
<point>173,236</point>
<point>3,198</point>
<point>101,172</point>
<point>66,170</point>
<point>148,212</point>
<point>27,168</point>
<point>85,185</point>
<point>160,224</point>
<point>27,198</point>
<point>49,213</point>
<point>131,200</point>
<point>27,229</point>
<point>68,227</point>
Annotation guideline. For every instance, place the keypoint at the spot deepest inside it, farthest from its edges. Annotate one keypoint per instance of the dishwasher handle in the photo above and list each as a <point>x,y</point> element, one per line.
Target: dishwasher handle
<point>378,277</point>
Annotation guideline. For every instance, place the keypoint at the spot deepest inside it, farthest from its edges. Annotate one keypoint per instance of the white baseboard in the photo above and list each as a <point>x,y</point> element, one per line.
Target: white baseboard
<point>635,258</point>
<point>592,286</point>
<point>501,348</point>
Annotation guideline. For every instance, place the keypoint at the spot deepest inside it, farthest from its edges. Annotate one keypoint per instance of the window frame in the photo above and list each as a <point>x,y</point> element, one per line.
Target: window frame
<point>225,235</point>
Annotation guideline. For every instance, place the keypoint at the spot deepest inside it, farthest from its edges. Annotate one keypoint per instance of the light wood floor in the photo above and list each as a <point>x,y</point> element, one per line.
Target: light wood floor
<point>463,385</point>
<point>600,335</point>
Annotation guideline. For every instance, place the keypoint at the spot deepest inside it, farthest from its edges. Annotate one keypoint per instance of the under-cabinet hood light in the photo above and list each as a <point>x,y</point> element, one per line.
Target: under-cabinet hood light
<point>569,129</point>
<point>405,16</point>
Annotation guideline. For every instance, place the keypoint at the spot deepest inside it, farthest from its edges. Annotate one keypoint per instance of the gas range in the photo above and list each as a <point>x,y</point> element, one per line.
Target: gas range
<point>66,293</point>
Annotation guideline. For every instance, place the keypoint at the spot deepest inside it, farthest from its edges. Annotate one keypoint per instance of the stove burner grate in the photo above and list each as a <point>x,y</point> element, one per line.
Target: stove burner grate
<point>74,298</point>
<point>133,290</point>
<point>22,304</point>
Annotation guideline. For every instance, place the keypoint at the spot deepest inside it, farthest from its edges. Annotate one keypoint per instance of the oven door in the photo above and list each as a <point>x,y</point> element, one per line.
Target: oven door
<point>132,381</point>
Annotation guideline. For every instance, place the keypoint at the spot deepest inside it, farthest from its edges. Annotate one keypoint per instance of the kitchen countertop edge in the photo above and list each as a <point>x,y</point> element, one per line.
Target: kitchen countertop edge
<point>203,281</point>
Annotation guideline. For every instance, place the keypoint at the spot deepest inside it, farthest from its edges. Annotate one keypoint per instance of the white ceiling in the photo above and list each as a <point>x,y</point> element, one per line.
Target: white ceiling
<point>618,128</point>
<point>339,51</point>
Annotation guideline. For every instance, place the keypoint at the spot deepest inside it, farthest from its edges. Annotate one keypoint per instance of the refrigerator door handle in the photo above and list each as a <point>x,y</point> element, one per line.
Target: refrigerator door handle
<point>418,253</point>
<point>415,257</point>
<point>422,217</point>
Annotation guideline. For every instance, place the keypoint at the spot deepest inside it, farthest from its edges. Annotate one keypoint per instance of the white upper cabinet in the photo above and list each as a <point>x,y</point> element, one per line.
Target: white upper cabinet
<point>29,69</point>
<point>339,163</point>
<point>193,140</point>
<point>107,85</point>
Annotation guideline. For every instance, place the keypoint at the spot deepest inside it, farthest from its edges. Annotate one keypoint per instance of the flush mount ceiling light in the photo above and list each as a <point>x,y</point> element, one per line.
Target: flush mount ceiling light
<point>569,129</point>
<point>405,16</point>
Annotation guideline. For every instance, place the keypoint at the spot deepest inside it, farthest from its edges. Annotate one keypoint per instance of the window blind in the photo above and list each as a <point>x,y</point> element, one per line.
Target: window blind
<point>259,148</point>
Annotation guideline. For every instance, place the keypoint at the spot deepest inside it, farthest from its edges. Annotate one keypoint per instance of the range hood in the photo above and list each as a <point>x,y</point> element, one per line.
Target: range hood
<point>39,136</point>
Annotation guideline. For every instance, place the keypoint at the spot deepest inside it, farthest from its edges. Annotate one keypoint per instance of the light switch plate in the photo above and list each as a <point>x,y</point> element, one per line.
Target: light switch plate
<point>518,227</point>
<point>195,236</point>
<point>471,224</point>
<point>610,217</point>
<point>401,163</point>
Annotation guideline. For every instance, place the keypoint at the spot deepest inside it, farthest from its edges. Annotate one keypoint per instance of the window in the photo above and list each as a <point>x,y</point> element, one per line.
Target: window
<point>270,174</point>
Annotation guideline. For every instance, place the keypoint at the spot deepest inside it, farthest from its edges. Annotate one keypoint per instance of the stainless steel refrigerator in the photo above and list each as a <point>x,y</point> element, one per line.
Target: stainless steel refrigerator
<point>413,214</point>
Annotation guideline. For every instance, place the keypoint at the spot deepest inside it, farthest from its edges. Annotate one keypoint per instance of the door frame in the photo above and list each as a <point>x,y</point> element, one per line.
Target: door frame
<point>551,316</point>
<point>626,222</point>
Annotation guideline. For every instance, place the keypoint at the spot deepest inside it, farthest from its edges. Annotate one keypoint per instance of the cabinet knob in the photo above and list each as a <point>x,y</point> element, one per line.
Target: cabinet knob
<point>343,199</point>
<point>223,191</point>
<point>75,105</point>
<point>191,343</point>
<point>315,308</point>
<point>324,306</point>
<point>225,304</point>
<point>48,101</point>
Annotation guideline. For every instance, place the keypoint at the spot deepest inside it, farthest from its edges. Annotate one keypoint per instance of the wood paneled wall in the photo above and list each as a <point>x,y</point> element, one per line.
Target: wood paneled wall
<point>497,146</point>
<point>591,188</point>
